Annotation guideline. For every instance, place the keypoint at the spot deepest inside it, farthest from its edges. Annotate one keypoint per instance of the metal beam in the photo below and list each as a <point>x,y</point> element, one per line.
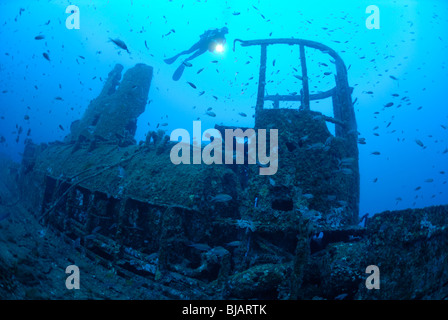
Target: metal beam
<point>261,79</point>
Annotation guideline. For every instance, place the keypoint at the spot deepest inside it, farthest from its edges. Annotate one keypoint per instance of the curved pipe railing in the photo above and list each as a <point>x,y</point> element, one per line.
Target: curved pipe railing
<point>343,111</point>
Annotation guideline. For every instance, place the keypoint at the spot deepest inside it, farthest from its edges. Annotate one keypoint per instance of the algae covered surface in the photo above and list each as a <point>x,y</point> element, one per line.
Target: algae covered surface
<point>145,228</point>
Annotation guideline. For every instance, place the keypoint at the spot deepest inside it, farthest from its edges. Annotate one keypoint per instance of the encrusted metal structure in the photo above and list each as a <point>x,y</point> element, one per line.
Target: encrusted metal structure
<point>343,110</point>
<point>140,214</point>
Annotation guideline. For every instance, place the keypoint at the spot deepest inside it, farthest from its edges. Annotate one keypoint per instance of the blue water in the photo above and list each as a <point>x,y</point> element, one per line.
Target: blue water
<point>411,46</point>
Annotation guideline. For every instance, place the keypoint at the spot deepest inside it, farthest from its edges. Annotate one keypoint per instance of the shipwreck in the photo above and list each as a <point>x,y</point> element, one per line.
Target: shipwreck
<point>294,235</point>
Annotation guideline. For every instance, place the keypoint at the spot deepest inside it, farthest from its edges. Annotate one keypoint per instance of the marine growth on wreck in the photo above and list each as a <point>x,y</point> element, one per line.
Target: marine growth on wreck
<point>194,213</point>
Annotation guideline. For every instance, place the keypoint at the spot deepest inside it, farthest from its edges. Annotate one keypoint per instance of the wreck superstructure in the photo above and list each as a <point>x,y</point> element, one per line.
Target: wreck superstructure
<point>142,216</point>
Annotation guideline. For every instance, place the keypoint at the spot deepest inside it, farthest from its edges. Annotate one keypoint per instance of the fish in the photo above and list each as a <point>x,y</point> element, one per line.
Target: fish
<point>146,45</point>
<point>347,171</point>
<point>39,37</point>
<point>234,243</point>
<point>308,196</point>
<point>211,113</point>
<point>318,145</point>
<point>46,56</point>
<point>298,77</point>
<point>219,251</point>
<point>120,44</point>
<point>417,141</point>
<point>221,198</point>
<point>393,78</point>
<point>59,98</point>
<point>26,117</point>
<point>187,64</point>
<point>242,114</point>
<point>376,153</point>
<point>388,105</point>
<point>201,93</point>
<point>61,127</point>
<point>347,161</point>
<point>199,71</point>
<point>236,13</point>
<point>192,85</point>
<point>429,180</point>
<point>200,246</point>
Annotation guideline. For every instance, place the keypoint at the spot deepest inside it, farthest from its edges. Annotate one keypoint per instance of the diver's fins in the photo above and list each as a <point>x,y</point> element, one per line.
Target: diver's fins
<point>178,73</point>
<point>170,60</point>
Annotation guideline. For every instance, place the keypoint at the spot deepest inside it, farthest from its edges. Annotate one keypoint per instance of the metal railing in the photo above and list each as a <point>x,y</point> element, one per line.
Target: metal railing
<point>343,111</point>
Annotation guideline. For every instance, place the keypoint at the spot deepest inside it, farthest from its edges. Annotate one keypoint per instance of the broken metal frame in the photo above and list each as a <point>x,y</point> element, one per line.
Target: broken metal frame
<point>343,111</point>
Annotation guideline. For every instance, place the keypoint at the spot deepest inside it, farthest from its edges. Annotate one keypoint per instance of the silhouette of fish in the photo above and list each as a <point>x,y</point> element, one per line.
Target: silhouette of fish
<point>220,198</point>
<point>120,44</point>
<point>192,85</point>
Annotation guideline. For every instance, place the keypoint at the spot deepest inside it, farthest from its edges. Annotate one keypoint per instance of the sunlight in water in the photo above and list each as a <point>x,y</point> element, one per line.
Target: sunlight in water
<point>219,48</point>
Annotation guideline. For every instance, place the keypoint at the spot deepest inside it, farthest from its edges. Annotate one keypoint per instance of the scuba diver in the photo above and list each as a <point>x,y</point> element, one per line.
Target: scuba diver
<point>208,41</point>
